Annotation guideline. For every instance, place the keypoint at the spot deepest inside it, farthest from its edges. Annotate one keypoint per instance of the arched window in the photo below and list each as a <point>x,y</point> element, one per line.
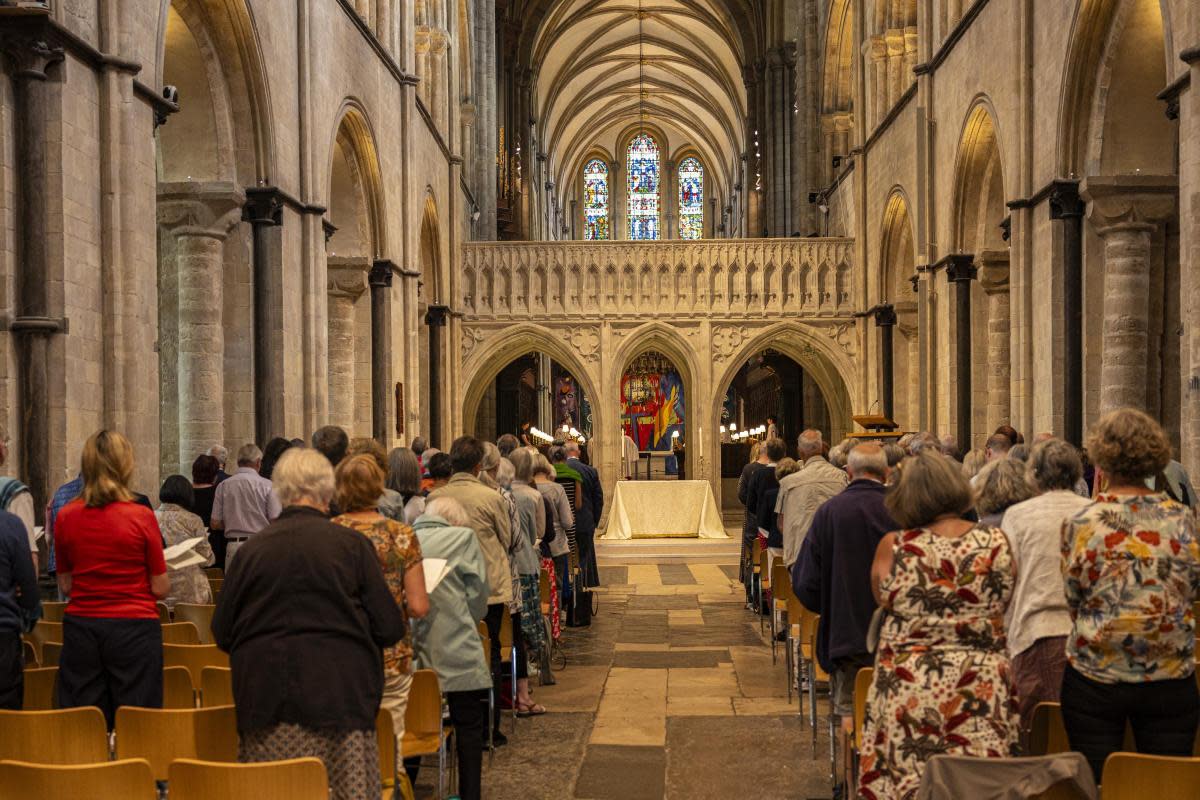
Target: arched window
<point>595,200</point>
<point>643,187</point>
<point>691,199</point>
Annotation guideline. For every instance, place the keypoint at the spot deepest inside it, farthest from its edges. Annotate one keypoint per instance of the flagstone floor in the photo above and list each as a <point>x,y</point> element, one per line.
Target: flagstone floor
<point>670,693</point>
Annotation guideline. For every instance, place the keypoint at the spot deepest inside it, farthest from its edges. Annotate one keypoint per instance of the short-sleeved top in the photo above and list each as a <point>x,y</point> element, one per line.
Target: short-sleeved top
<point>110,552</point>
<point>245,503</point>
<point>397,550</point>
<point>1132,573</point>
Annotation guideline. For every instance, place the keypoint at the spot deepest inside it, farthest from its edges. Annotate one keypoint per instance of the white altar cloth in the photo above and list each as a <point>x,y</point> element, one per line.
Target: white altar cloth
<point>652,509</point>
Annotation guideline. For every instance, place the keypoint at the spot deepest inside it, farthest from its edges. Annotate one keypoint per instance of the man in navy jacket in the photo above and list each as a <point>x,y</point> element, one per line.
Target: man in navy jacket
<point>832,576</point>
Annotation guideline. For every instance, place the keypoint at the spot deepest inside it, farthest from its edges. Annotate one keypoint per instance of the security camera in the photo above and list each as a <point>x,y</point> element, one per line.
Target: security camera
<point>170,94</point>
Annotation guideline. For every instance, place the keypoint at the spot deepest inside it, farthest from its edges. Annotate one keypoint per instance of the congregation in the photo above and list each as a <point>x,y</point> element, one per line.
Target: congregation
<point>326,607</point>
<point>976,586</point>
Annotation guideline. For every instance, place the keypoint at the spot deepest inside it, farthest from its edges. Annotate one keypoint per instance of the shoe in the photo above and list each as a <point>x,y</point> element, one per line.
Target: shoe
<point>499,739</point>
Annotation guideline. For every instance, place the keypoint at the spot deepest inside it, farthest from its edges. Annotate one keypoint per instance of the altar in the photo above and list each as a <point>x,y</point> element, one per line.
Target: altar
<point>664,509</point>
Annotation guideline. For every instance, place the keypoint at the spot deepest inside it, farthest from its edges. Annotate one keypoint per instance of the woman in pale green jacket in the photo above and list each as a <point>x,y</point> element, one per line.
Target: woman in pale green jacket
<point>447,639</point>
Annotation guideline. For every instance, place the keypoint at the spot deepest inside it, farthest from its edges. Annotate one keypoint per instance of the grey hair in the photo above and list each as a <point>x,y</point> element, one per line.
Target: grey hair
<point>419,445</point>
<point>505,473</point>
<point>785,467</point>
<point>922,440</point>
<point>1053,464</point>
<point>973,461</point>
<point>448,509</point>
<point>1019,452</point>
<point>809,444</point>
<point>1001,484</point>
<point>542,466</point>
<point>837,456</point>
<point>571,447</point>
<point>249,454</point>
<point>303,473</point>
<point>894,452</point>
<point>491,458</point>
<point>219,453</point>
<point>867,459</point>
<point>404,472</point>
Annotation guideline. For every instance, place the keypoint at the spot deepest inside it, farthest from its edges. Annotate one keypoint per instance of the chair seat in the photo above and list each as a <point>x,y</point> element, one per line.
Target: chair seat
<point>420,744</point>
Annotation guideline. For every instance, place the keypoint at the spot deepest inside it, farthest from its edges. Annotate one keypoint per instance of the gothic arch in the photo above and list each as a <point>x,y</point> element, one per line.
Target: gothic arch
<point>979,182</point>
<point>898,260</point>
<point>353,145</point>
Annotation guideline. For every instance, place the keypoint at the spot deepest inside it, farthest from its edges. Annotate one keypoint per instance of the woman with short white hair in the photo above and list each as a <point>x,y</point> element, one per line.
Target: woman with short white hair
<point>306,599</point>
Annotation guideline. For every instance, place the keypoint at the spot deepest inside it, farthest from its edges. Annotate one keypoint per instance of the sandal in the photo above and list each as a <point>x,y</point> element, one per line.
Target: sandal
<point>530,710</point>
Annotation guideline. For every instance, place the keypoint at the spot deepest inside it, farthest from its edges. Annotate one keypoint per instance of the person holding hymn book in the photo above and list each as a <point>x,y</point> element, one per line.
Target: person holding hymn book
<point>179,525</point>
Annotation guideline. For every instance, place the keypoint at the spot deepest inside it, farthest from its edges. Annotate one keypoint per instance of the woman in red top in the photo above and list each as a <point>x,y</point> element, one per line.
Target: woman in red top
<point>110,564</point>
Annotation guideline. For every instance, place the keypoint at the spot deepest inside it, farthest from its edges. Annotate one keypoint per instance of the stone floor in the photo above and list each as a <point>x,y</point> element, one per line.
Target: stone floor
<point>670,693</point>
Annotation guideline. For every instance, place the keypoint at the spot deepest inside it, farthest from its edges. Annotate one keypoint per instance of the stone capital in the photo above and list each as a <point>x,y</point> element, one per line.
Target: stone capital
<point>264,206</point>
<point>347,276</point>
<point>436,316</point>
<point>1121,201</point>
<point>895,42</point>
<point>878,48</point>
<point>29,48</point>
<point>993,270</point>
<point>194,208</point>
<point>381,273</point>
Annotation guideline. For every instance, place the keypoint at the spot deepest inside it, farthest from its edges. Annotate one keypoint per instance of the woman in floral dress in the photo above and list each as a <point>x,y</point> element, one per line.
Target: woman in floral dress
<point>178,524</point>
<point>941,668</point>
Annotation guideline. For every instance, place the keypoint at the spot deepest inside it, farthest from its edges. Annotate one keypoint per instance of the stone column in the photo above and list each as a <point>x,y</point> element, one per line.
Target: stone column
<point>960,271</point>
<point>895,67</point>
<point>347,282</point>
<point>380,281</point>
<point>885,320</point>
<point>1124,212</point>
<point>199,216</point>
<point>436,318</point>
<point>264,211</point>
<point>878,79</point>
<point>993,277</point>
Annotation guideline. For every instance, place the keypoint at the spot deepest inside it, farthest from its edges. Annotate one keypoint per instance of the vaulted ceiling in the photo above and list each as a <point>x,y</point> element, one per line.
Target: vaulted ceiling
<point>599,64</point>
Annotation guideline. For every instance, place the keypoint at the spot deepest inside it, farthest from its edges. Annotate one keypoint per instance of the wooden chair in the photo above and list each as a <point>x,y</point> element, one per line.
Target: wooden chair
<point>29,654</point>
<point>486,641</point>
<point>51,652</point>
<point>215,584</point>
<point>862,687</point>
<point>216,687</point>
<point>53,611</point>
<point>195,657</point>
<point>1046,732</point>
<point>178,691</point>
<point>200,616</point>
<point>39,689</point>
<point>756,576</point>
<point>1133,776</point>
<point>781,590</point>
<point>764,585</point>
<point>385,740</point>
<point>44,632</point>
<point>508,655</point>
<point>65,736</point>
<point>424,730</point>
<point>117,780</point>
<point>297,779</point>
<point>164,612</point>
<point>214,572</point>
<point>180,633</point>
<point>162,735</point>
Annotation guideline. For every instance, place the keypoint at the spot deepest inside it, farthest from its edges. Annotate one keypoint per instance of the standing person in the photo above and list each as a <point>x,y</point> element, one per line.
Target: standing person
<point>404,478</point>
<point>19,607</point>
<point>62,495</point>
<point>303,618</point>
<point>589,514</point>
<point>768,524</point>
<point>359,484</point>
<point>526,435</point>
<point>16,499</point>
<point>489,518</point>
<point>1132,573</point>
<point>772,428</point>
<point>941,680</point>
<point>447,639</point>
<point>222,456</point>
<point>244,503</point>
<point>833,574</point>
<point>331,442</point>
<point>1038,620</point>
<point>110,563</point>
<point>558,551</point>
<point>177,523</point>
<point>272,453</point>
<point>204,494</point>
<point>630,456</point>
<point>801,494</point>
<point>438,470</point>
<point>506,444</point>
<point>1000,485</point>
<point>759,460</point>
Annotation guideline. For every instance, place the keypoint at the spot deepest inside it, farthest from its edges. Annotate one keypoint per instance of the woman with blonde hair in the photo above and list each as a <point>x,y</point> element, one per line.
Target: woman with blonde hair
<point>941,680</point>
<point>359,487</point>
<point>109,552</point>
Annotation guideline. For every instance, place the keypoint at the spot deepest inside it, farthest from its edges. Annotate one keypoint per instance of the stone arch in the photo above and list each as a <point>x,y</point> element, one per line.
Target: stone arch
<point>837,84</point>
<point>352,151</point>
<point>432,291</point>
<point>484,360</point>
<point>898,260</point>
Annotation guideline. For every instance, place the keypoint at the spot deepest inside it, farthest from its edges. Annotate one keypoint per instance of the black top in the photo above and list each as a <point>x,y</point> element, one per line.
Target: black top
<point>16,573</point>
<point>758,484</point>
<point>303,615</point>
<point>832,576</point>
<point>204,503</point>
<point>768,520</point>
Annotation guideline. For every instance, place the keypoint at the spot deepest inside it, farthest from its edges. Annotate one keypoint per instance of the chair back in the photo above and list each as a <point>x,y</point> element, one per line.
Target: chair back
<point>781,581</point>
<point>51,651</point>
<point>297,779</point>
<point>29,654</point>
<point>862,687</point>
<point>178,691</point>
<point>200,616</point>
<point>756,552</point>
<point>215,584</point>
<point>506,636</point>
<point>1133,776</point>
<point>215,572</point>
<point>39,689</point>
<point>485,640</point>
<point>195,657</point>
<point>53,611</point>
<point>116,780</point>
<point>1046,732</point>
<point>385,740</point>
<point>423,718</point>
<point>162,735</point>
<point>216,687</point>
<point>44,632</point>
<point>66,736</point>
<point>164,612</point>
<point>180,633</point>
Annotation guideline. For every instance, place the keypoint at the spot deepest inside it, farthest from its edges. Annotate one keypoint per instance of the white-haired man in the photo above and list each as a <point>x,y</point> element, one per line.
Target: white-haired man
<point>221,454</point>
<point>803,492</point>
<point>244,503</point>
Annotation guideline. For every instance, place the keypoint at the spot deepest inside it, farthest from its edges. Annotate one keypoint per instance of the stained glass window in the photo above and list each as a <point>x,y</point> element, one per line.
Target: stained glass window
<point>595,199</point>
<point>691,199</point>
<point>643,187</point>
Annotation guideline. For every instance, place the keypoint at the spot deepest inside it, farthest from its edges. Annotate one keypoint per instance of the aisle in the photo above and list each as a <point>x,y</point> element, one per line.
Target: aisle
<point>670,694</point>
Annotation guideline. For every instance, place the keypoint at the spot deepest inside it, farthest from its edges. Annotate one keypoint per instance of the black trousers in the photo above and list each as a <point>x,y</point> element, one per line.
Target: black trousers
<point>1163,715</point>
<point>110,663</point>
<point>468,715</point>
<point>12,674</point>
<point>494,613</point>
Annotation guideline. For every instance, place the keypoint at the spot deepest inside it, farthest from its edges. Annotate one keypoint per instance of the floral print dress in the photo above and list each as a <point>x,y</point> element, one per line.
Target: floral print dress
<point>941,670</point>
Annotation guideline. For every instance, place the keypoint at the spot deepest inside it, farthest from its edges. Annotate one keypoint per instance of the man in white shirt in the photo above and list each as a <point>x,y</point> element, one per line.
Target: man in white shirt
<point>803,492</point>
<point>1038,621</point>
<point>244,503</point>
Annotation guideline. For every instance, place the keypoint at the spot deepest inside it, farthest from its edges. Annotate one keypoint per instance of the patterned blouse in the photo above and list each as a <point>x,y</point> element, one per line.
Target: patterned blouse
<point>190,584</point>
<point>397,549</point>
<point>1132,572</point>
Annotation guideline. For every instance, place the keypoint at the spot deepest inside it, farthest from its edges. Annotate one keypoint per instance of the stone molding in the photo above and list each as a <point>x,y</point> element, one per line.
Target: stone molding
<point>193,208</point>
<point>347,276</point>
<point>1123,200</point>
<point>993,270</point>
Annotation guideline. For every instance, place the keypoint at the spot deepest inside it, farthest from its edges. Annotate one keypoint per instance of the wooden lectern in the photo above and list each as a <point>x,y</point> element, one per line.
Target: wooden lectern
<point>877,427</point>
